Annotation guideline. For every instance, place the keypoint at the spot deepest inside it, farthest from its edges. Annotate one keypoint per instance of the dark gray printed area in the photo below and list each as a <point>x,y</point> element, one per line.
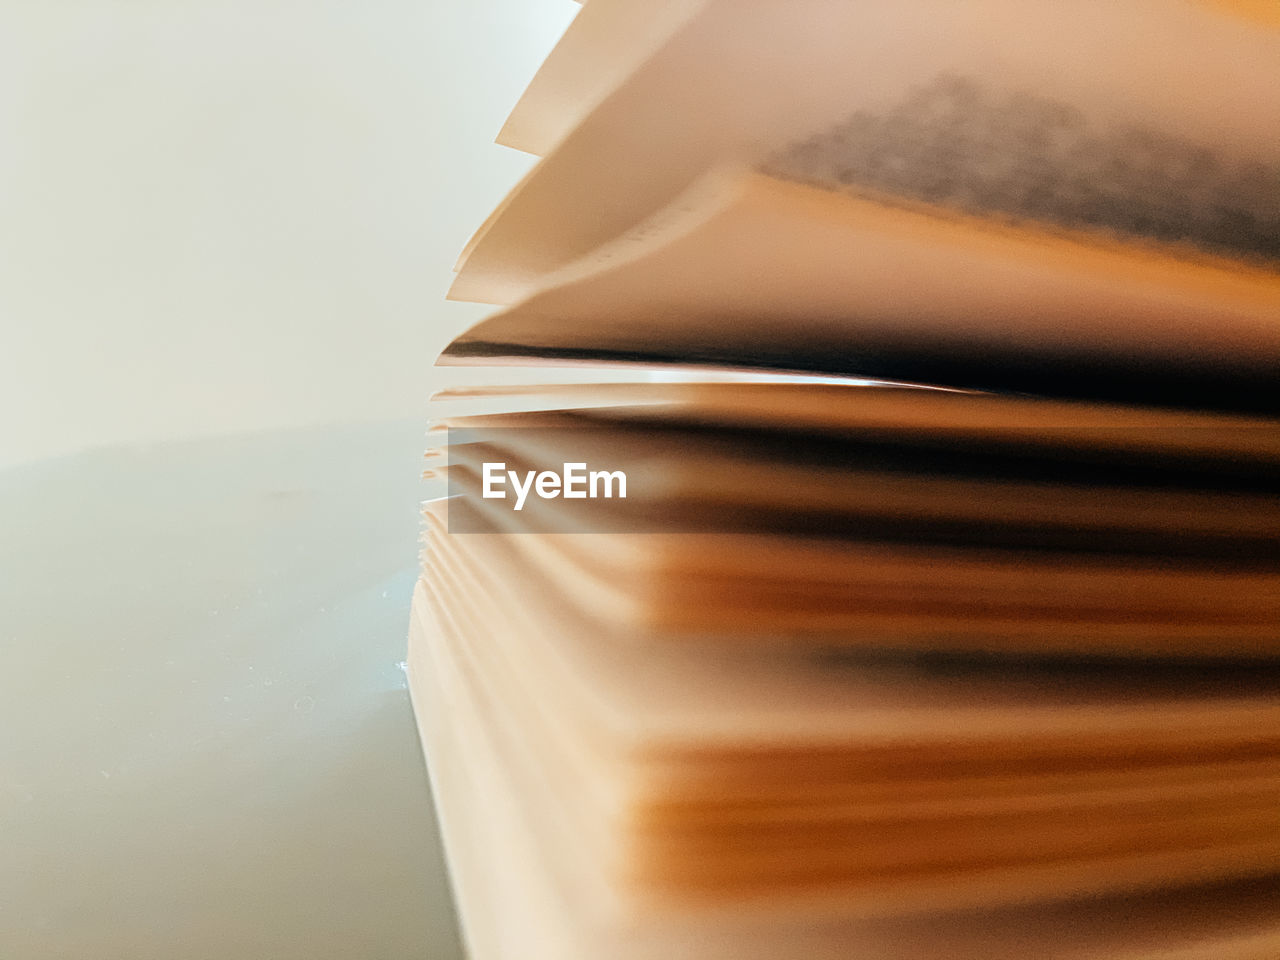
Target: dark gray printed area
<point>955,143</point>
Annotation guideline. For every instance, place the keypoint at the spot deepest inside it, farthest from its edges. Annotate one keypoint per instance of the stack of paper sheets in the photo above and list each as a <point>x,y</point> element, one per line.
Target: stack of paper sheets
<point>930,605</point>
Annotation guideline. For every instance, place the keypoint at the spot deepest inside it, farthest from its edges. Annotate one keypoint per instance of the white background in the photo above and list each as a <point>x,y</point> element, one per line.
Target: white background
<point>234,215</point>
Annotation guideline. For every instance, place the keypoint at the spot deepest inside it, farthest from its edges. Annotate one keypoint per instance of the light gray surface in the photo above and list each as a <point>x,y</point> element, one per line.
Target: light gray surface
<point>206,744</point>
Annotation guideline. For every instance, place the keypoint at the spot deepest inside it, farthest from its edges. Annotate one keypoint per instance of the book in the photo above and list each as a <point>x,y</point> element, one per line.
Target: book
<point>862,510</point>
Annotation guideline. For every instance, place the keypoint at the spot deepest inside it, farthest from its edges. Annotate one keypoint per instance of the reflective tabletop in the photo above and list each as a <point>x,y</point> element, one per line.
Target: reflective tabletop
<point>206,743</point>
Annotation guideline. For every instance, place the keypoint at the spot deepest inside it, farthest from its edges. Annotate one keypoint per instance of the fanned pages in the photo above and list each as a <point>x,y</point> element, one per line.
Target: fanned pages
<point>859,530</point>
<point>749,270</point>
<point>1022,111</point>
